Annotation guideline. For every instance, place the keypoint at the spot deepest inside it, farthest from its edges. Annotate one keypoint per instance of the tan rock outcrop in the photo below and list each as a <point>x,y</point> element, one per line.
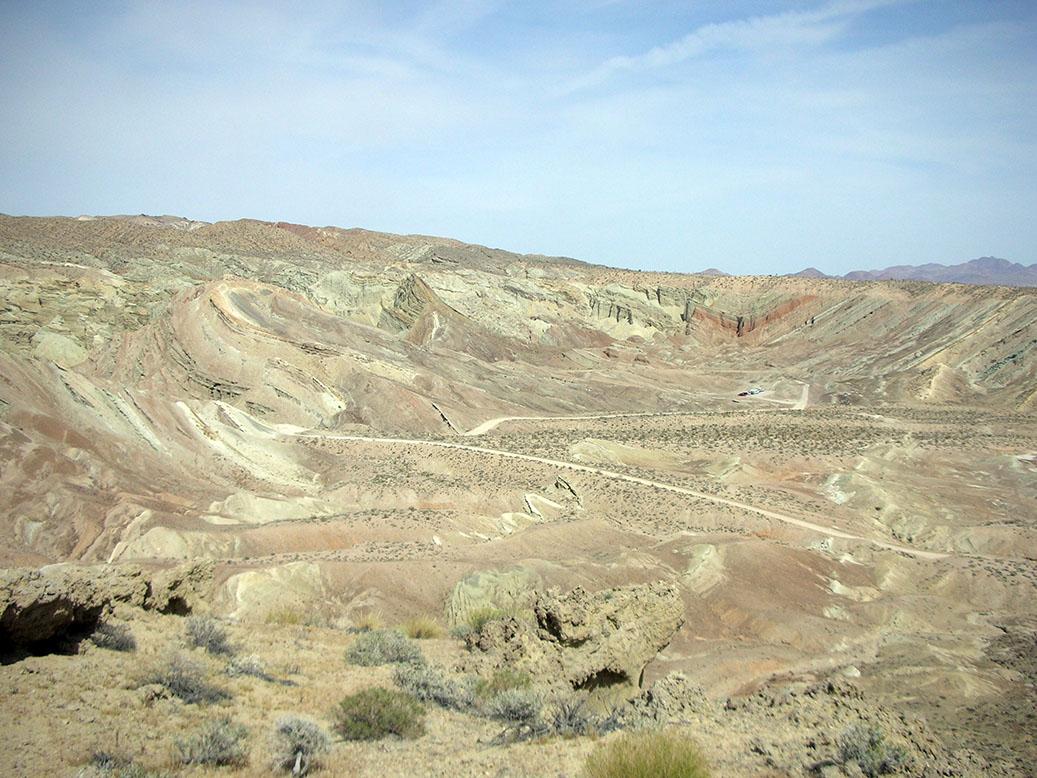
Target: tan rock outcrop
<point>61,602</point>
<point>40,605</point>
<point>587,641</point>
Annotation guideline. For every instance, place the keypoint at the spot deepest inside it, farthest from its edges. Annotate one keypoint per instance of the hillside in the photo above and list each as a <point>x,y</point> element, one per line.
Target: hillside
<point>337,421</point>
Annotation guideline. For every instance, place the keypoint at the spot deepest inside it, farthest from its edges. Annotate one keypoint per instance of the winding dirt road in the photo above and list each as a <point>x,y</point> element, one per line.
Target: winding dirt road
<point>612,474</point>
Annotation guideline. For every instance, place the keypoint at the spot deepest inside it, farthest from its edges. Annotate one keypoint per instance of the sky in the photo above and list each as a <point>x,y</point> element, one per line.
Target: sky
<point>751,135</point>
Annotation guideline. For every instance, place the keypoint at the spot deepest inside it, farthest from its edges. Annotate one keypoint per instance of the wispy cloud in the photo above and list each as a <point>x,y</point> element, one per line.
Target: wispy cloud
<point>789,29</point>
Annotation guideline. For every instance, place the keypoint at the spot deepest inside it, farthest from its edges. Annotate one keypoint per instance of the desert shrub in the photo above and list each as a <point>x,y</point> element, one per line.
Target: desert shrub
<point>429,684</point>
<point>218,743</point>
<point>517,706</point>
<point>647,755</point>
<point>422,628</point>
<point>377,713</point>
<point>867,746</point>
<point>297,745</point>
<point>114,637</point>
<point>571,716</point>
<point>187,680</point>
<point>500,681</point>
<point>205,632</point>
<point>383,647</point>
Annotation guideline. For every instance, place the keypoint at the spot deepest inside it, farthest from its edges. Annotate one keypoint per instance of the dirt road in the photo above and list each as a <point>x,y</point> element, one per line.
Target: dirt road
<point>611,474</point>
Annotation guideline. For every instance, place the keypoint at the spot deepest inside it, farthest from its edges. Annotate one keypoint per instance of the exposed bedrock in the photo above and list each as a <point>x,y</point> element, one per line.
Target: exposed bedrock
<point>595,642</point>
<point>50,609</point>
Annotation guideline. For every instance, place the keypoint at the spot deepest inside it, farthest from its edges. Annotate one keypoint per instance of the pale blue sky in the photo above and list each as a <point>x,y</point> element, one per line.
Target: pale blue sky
<point>751,135</point>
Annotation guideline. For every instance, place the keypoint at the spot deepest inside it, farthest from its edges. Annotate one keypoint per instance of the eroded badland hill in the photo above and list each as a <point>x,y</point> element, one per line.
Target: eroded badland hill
<point>298,429</point>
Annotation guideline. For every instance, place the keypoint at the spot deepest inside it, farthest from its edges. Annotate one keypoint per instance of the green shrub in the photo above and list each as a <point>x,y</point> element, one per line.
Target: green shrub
<point>647,755</point>
<point>422,628</point>
<point>501,681</point>
<point>217,744</point>
<point>186,680</point>
<point>377,713</point>
<point>516,706</point>
<point>298,744</point>
<point>480,617</point>
<point>430,684</point>
<point>382,647</point>
<point>114,637</point>
<point>204,632</point>
<point>867,746</point>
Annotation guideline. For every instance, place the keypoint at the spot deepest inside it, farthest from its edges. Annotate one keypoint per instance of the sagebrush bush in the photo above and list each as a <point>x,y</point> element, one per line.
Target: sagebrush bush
<point>187,680</point>
<point>423,628</point>
<point>383,647</point>
<point>218,743</point>
<point>205,632</point>
<point>114,637</point>
<point>430,684</point>
<point>867,746</point>
<point>517,706</point>
<point>249,665</point>
<point>298,744</point>
<point>647,755</point>
<point>502,680</point>
<point>377,713</point>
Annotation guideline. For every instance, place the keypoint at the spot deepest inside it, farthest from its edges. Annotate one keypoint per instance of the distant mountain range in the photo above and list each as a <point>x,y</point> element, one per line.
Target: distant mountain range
<point>985,270</point>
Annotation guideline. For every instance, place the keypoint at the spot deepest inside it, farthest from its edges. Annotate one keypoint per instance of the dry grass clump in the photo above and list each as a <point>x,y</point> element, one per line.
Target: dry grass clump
<point>377,713</point>
<point>647,755</point>
<point>218,743</point>
<point>187,681</point>
<point>367,621</point>
<point>204,632</point>
<point>423,628</point>
<point>298,744</point>
<point>116,766</point>
<point>383,647</point>
<point>114,637</point>
<point>285,617</point>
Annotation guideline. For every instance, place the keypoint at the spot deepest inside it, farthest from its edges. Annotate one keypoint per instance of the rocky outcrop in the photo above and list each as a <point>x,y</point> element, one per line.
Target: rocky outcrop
<point>587,641</point>
<point>412,299</point>
<point>38,606</point>
<point>47,609</point>
<point>796,729</point>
